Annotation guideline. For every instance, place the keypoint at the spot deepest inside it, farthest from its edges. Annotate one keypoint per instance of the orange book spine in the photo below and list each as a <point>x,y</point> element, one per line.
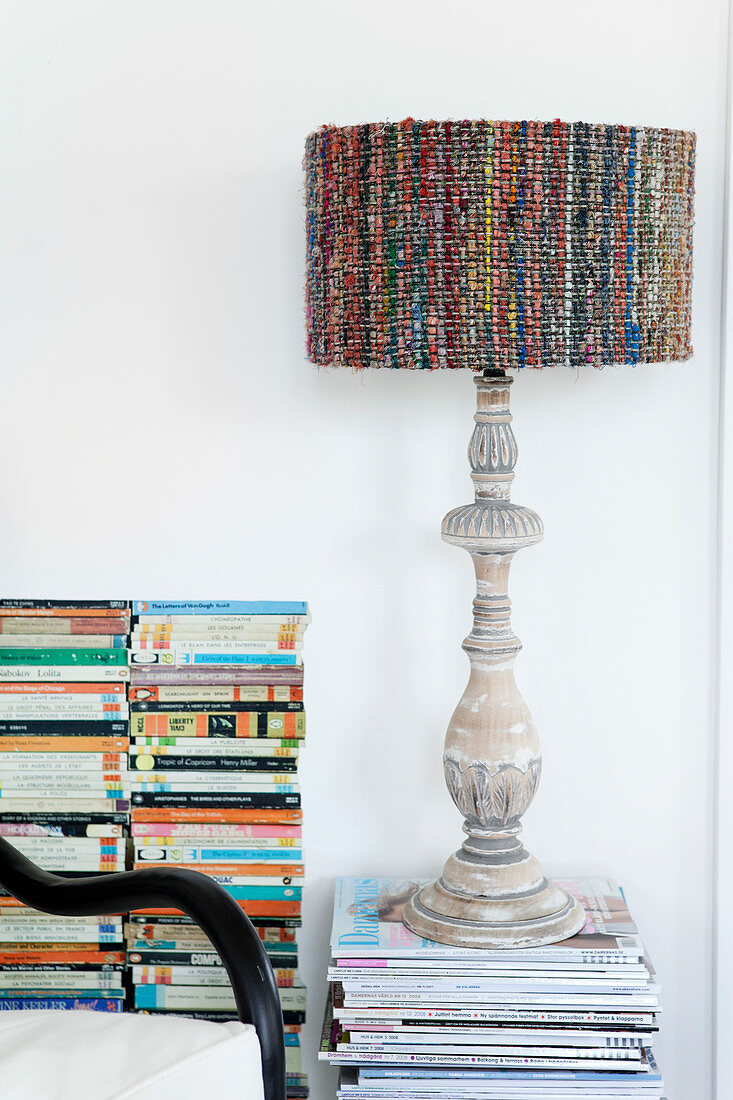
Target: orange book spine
<point>221,817</point>
<point>253,909</point>
<point>280,870</point>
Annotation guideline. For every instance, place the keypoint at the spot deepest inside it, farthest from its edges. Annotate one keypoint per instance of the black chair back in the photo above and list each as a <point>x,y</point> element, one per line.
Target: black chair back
<point>208,904</point>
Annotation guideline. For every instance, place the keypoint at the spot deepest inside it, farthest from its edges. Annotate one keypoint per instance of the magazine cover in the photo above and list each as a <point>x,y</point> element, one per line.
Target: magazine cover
<point>368,922</point>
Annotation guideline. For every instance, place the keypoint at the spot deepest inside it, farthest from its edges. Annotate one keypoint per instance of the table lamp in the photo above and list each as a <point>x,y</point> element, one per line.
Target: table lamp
<point>495,246</point>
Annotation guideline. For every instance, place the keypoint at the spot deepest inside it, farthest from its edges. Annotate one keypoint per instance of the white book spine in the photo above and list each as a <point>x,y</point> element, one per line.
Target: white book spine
<point>65,673</point>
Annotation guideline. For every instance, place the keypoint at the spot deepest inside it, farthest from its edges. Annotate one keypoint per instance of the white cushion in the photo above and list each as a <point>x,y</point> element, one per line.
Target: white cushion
<point>120,1056</point>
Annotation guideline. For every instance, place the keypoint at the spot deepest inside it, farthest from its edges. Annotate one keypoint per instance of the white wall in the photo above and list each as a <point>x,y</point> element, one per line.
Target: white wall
<point>161,433</point>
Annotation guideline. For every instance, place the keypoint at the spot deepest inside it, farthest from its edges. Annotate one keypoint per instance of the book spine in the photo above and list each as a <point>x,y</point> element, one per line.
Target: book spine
<point>199,694</point>
<point>50,691</point>
<point>172,997</point>
<point>63,957</point>
<point>50,844</point>
<point>261,677</point>
<point>16,624</point>
<point>79,744</point>
<point>178,832</point>
<point>225,847</point>
<point>68,673</point>
<point>87,607</point>
<point>54,711</point>
<point>84,936</point>
<point>57,1004</point>
<point>282,748</point>
<point>83,865</point>
<point>70,710</point>
<point>61,656</point>
<point>268,876</point>
<point>278,724</point>
<point>279,643</point>
<point>13,640</point>
<point>106,819</point>
<point>52,808</point>
<point>220,607</point>
<point>173,638</point>
<point>227,815</point>
<point>214,707</point>
<point>273,929</point>
<point>199,976</point>
<point>102,785</point>
<point>217,856</point>
<point>39,730</point>
<point>282,960</point>
<point>233,783</point>
<point>55,969</point>
<point>28,918</point>
<point>143,763</point>
<point>36,980</point>
<point>74,989</point>
<point>227,801</point>
<point>12,763</point>
<point>184,657</point>
<point>82,828</point>
<point>289,1019</point>
<point>254,909</point>
<point>186,623</point>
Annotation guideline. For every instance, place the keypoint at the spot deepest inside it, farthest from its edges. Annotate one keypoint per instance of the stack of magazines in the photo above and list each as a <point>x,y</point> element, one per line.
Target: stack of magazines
<point>64,800</point>
<point>408,1017</point>
<point>216,725</point>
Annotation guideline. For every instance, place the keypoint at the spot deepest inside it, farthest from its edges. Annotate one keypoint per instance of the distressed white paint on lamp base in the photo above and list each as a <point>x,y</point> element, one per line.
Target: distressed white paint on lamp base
<point>501,899</point>
<point>492,892</point>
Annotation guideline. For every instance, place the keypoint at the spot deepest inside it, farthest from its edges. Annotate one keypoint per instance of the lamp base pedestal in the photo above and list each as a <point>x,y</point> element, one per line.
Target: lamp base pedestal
<point>495,897</point>
<point>492,892</point>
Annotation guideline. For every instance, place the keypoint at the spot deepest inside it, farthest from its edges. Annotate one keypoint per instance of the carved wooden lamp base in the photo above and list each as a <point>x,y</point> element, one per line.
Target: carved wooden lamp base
<point>492,892</point>
<point>500,899</point>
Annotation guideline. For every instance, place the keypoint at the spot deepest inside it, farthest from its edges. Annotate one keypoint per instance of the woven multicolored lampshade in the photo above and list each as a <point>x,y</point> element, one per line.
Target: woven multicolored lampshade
<point>498,244</point>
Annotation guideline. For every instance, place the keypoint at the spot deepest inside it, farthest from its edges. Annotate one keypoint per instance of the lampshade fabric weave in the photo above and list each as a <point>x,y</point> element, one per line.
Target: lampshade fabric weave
<point>498,244</point>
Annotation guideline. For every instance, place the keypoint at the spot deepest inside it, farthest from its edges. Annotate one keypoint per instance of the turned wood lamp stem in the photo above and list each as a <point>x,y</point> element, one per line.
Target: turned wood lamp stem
<point>492,892</point>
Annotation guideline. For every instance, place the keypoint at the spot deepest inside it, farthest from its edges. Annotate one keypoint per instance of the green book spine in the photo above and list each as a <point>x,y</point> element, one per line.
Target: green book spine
<point>13,656</point>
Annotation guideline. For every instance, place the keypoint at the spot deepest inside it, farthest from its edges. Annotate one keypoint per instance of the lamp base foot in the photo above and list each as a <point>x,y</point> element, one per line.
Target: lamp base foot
<point>486,903</point>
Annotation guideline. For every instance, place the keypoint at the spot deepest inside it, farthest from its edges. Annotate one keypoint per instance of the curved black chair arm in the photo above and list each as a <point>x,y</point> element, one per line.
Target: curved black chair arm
<point>208,904</point>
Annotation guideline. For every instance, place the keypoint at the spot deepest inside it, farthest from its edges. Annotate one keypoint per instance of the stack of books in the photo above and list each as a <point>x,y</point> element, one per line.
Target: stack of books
<point>64,800</point>
<point>408,1017</point>
<point>217,720</point>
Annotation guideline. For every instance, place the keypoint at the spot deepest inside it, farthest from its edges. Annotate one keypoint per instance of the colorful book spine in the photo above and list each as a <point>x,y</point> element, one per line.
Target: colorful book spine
<point>62,656</point>
<point>186,657</point>
<point>144,608</point>
<point>279,724</point>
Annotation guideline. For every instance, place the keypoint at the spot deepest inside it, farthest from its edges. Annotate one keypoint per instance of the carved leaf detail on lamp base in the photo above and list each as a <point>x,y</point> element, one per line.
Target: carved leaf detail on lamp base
<point>492,800</point>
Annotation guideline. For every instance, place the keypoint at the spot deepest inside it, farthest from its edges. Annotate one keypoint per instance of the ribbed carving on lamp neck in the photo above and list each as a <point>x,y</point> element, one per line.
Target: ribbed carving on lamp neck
<point>492,448</point>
